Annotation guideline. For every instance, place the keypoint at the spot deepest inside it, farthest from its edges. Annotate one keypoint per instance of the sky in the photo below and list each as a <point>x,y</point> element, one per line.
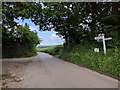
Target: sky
<point>47,37</point>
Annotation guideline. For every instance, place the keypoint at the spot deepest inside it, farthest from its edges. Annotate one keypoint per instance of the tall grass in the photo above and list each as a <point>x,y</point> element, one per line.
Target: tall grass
<point>109,63</point>
<point>84,55</point>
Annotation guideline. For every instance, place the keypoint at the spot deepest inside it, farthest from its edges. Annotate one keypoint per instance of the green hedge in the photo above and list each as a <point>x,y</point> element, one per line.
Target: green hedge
<point>17,51</point>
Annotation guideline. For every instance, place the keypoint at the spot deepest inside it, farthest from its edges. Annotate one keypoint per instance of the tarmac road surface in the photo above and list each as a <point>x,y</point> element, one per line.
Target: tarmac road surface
<point>46,71</point>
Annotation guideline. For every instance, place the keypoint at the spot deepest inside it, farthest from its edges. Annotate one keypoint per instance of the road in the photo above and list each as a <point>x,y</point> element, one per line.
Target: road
<point>46,71</point>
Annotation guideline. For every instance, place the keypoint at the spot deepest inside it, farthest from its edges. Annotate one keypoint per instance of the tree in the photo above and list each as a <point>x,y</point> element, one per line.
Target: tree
<point>19,42</point>
<point>73,21</point>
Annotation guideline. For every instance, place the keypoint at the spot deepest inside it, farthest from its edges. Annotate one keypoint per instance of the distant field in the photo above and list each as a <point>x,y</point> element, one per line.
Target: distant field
<point>40,49</point>
<point>43,46</point>
<point>55,49</point>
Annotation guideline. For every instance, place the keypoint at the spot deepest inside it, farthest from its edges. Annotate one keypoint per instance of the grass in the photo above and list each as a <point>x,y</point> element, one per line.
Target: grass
<point>84,55</point>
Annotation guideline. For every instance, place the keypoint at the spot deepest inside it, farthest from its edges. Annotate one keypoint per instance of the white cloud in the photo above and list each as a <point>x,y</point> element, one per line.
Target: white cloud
<point>32,28</point>
<point>54,36</point>
<point>50,39</point>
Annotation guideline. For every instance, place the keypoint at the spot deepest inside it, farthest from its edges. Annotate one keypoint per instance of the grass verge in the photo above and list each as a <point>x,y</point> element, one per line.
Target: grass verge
<point>84,55</point>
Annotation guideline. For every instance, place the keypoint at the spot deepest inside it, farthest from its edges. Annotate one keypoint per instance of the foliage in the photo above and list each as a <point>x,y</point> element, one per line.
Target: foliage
<point>73,21</point>
<point>16,10</point>
<point>21,42</point>
<point>52,49</point>
<point>18,41</point>
<point>84,55</point>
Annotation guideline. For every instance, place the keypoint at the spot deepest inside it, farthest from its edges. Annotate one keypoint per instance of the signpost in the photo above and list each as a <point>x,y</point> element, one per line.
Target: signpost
<point>101,37</point>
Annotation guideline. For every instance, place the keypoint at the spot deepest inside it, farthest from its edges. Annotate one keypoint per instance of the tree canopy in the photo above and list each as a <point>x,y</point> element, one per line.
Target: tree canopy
<point>76,22</point>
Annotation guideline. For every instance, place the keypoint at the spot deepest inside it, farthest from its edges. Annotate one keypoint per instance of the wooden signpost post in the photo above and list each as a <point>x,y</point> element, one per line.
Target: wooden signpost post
<point>101,37</point>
